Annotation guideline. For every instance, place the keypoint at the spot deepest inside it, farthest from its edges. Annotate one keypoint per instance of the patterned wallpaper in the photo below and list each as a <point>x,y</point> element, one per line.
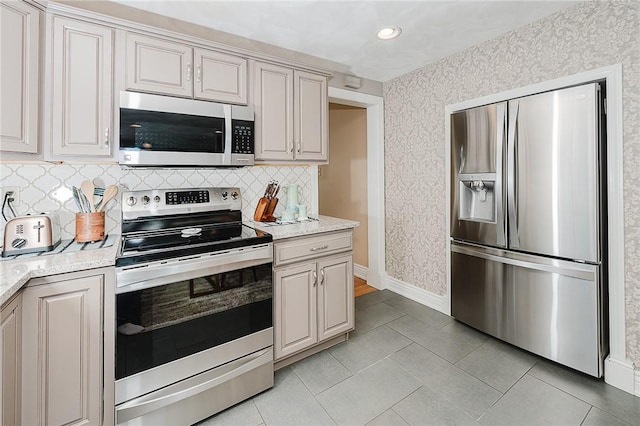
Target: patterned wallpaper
<point>587,36</point>
<point>46,187</point>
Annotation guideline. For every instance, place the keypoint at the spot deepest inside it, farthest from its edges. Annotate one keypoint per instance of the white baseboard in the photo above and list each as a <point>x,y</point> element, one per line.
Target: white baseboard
<point>432,300</point>
<point>360,271</point>
<point>621,375</point>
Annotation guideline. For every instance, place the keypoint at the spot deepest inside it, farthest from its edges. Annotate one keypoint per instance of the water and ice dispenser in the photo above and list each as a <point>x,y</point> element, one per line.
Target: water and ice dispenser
<point>477,197</point>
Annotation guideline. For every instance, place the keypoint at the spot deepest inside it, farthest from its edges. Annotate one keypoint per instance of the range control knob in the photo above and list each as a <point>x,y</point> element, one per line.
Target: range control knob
<point>145,199</point>
<point>131,201</point>
<point>18,243</point>
<point>224,194</point>
<point>234,195</point>
<point>156,198</point>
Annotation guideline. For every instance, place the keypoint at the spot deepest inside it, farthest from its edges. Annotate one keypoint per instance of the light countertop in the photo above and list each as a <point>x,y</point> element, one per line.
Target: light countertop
<point>299,229</point>
<point>14,273</point>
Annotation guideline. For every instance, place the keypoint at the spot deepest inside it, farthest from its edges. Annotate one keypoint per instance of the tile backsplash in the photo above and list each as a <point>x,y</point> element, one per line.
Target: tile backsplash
<point>47,187</point>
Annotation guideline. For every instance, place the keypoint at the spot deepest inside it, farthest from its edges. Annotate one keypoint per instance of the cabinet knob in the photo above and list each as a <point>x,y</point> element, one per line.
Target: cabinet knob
<point>321,276</point>
<point>189,71</point>
<point>315,278</point>
<point>106,137</point>
<point>299,147</point>
<point>198,73</point>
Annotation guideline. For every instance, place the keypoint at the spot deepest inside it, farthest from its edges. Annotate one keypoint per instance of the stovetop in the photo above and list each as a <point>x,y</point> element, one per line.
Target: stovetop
<point>173,223</point>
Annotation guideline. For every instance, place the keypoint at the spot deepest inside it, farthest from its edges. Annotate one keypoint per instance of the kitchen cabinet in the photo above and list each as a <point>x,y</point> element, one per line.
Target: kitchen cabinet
<point>19,78</point>
<point>314,299</point>
<point>82,87</point>
<point>10,353</point>
<point>169,68</point>
<point>67,367</point>
<point>291,114</point>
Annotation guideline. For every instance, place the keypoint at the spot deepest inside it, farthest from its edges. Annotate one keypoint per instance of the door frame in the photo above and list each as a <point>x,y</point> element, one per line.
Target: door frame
<point>619,371</point>
<point>375,177</point>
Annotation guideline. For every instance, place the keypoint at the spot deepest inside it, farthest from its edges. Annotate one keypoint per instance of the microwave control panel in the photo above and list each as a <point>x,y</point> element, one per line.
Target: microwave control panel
<point>242,137</point>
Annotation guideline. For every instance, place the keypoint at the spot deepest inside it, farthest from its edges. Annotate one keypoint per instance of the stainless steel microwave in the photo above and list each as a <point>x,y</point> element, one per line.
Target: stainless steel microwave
<point>162,131</point>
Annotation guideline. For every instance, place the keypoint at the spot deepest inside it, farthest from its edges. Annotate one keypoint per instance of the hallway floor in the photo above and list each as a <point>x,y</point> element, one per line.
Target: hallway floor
<point>406,364</point>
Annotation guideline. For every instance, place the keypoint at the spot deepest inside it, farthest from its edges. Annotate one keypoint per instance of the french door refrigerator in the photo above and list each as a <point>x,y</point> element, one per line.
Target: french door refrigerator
<point>528,228</point>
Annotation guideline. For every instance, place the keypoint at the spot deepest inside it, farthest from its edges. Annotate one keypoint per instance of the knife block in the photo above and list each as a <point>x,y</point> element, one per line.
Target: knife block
<point>264,210</point>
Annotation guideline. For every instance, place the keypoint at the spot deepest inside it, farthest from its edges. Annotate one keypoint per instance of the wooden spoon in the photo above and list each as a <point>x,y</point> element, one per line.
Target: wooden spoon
<point>88,188</point>
<point>109,192</point>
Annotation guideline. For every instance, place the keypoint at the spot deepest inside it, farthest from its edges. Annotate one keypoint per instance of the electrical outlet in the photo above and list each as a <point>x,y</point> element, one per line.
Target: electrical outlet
<point>15,195</point>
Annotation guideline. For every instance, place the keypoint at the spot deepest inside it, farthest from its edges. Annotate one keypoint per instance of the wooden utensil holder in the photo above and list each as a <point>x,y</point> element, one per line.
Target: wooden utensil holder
<point>89,227</point>
<point>264,210</point>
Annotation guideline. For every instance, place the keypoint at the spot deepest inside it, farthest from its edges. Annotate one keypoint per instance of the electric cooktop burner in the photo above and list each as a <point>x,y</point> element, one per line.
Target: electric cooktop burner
<point>167,224</point>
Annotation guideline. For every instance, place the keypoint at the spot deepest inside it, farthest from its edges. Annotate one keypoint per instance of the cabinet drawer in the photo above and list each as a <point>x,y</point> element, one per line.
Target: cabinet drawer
<point>310,247</point>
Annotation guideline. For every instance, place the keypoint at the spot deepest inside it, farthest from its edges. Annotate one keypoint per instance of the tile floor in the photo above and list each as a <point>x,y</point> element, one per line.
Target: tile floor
<point>407,364</point>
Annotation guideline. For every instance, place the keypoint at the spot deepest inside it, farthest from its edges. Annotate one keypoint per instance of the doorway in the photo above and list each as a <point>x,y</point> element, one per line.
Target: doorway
<point>342,184</point>
<point>375,229</point>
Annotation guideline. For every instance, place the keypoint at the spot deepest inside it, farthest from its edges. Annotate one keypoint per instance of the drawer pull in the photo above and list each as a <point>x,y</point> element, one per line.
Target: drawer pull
<point>319,248</point>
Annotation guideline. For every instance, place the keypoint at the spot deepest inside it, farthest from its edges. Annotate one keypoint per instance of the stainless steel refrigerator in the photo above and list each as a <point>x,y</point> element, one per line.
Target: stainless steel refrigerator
<point>528,228</point>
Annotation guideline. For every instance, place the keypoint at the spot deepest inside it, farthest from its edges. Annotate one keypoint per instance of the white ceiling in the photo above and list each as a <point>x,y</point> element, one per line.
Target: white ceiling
<point>344,31</point>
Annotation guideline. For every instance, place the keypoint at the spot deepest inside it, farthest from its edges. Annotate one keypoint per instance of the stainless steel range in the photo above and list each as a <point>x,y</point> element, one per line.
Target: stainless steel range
<point>194,306</point>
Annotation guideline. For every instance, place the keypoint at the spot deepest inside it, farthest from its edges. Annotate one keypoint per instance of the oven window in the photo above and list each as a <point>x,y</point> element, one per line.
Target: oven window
<point>162,324</point>
<point>164,131</point>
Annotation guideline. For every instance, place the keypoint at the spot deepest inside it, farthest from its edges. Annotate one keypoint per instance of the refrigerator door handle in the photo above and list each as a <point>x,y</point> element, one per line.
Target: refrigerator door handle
<point>514,240</point>
<point>501,110</point>
<point>580,271</point>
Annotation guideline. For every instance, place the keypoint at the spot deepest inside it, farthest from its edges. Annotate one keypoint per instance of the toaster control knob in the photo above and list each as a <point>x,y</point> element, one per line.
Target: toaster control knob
<point>18,243</point>
<point>145,199</point>
<point>224,195</point>
<point>131,201</point>
<point>234,195</point>
<point>156,198</point>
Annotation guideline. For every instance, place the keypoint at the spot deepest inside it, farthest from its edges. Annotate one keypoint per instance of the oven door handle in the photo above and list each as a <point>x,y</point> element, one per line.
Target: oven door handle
<point>159,273</point>
<point>192,386</point>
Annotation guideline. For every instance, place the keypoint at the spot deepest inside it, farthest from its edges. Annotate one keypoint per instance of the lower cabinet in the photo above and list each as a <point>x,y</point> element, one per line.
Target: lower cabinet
<point>314,301</point>
<point>67,368</point>
<point>10,335</point>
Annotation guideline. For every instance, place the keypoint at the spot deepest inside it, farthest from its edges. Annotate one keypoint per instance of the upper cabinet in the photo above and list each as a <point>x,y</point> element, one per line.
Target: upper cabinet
<point>82,87</point>
<point>291,114</point>
<point>19,77</point>
<point>160,66</point>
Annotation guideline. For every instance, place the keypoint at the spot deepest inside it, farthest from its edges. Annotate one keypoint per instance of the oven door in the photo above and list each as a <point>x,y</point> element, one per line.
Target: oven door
<point>178,318</point>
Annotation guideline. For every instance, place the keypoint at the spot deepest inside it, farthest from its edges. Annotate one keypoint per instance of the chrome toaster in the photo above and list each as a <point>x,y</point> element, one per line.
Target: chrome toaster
<point>31,234</point>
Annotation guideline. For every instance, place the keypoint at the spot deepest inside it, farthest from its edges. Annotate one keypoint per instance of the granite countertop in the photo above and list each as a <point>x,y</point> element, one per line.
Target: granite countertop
<point>299,229</point>
<point>14,273</point>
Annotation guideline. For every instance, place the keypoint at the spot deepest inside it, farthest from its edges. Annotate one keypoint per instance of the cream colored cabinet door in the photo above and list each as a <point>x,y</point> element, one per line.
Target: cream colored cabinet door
<point>158,66</point>
<point>295,324</point>
<point>273,100</point>
<point>62,352</point>
<point>220,77</point>
<point>335,296</point>
<point>10,345</point>
<point>81,106</point>
<point>19,77</point>
<point>310,116</point>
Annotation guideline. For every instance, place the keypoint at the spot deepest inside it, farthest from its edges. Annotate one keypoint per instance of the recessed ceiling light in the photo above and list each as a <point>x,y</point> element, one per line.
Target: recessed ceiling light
<point>387,33</point>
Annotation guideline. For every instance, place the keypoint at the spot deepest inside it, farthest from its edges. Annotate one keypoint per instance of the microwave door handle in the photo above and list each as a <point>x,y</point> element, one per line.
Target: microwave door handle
<point>228,133</point>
